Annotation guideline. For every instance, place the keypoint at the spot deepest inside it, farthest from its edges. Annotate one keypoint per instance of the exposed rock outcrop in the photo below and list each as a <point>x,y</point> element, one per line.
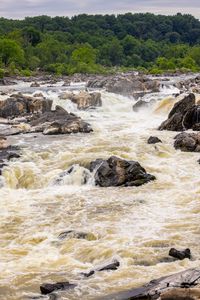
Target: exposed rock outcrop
<point>35,115</point>
<point>19,105</point>
<point>188,142</point>
<point>116,172</point>
<point>84,100</point>
<point>125,84</point>
<point>179,118</point>
<point>180,254</point>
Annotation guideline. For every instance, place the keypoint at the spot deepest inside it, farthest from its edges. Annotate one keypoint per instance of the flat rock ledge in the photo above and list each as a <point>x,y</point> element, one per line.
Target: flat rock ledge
<point>180,286</point>
<point>23,114</point>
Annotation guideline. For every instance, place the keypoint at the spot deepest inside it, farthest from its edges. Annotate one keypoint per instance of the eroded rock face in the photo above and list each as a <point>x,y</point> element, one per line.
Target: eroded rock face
<point>188,142</point>
<point>59,121</point>
<point>19,105</point>
<point>116,172</point>
<point>84,100</point>
<point>179,118</point>
<point>127,85</point>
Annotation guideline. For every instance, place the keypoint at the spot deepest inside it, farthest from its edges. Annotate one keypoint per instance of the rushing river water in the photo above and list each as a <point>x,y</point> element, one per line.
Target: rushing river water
<point>136,225</point>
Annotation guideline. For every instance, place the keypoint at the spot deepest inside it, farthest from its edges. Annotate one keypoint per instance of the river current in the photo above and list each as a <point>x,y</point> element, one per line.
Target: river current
<point>136,225</point>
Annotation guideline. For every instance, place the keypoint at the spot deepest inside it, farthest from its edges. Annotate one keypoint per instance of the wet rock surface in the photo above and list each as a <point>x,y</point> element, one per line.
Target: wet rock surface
<point>178,118</point>
<point>159,288</point>
<point>19,105</point>
<point>125,84</point>
<point>180,254</point>
<point>48,288</point>
<point>30,114</point>
<point>153,140</point>
<point>119,172</point>
<point>7,152</point>
<point>112,266</point>
<point>188,142</point>
<point>84,100</point>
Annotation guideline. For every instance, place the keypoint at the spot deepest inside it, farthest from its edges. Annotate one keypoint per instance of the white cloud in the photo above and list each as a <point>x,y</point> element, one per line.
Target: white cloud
<point>22,8</point>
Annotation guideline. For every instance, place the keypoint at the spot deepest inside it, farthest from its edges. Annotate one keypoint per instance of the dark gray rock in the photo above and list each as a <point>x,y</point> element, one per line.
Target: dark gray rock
<point>116,172</point>
<point>187,142</point>
<point>112,266</point>
<point>48,288</point>
<point>177,114</point>
<point>153,140</point>
<point>180,254</point>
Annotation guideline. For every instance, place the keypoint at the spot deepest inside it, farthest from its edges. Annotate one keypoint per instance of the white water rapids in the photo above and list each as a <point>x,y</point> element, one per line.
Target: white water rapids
<point>136,225</point>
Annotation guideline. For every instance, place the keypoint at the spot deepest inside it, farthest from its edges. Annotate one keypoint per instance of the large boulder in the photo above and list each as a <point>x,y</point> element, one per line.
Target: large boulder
<point>176,119</point>
<point>188,142</point>
<point>84,100</point>
<point>19,105</point>
<point>125,84</point>
<point>119,172</point>
<point>59,121</point>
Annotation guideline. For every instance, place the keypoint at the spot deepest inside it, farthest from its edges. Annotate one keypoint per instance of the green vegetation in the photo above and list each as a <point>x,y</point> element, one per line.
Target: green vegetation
<point>100,44</point>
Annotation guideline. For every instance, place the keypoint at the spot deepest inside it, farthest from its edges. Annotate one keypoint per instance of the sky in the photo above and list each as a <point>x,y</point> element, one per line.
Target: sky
<point>18,9</point>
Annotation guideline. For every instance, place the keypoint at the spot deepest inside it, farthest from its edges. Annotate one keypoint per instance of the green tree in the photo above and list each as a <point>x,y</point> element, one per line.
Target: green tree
<point>11,52</point>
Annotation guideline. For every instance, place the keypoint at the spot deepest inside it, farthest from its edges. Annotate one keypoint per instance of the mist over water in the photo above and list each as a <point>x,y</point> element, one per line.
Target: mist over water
<point>136,225</point>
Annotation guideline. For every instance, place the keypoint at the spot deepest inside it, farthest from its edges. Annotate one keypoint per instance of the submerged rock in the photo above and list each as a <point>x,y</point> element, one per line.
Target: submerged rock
<point>116,172</point>
<point>153,140</point>
<point>187,281</point>
<point>48,288</point>
<point>177,118</point>
<point>112,266</point>
<point>7,153</point>
<point>180,254</point>
<point>72,234</point>
<point>188,142</point>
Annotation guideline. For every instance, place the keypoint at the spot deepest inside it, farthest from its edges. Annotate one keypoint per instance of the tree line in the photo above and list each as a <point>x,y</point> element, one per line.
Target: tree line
<point>99,44</point>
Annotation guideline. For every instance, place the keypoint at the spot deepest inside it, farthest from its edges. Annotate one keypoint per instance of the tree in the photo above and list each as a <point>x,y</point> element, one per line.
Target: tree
<point>11,52</point>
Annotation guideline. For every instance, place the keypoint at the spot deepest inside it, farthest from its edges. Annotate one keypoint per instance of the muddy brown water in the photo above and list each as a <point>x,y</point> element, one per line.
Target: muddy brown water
<point>136,225</point>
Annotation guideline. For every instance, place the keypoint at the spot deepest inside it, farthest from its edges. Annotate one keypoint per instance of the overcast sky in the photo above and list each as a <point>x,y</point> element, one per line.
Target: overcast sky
<point>21,8</point>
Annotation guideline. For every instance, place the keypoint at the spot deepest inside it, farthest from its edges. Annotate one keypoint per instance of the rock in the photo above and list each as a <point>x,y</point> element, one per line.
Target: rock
<point>158,289</point>
<point>125,84</point>
<point>35,84</point>
<point>153,140</point>
<point>3,142</point>
<point>181,294</point>
<point>112,266</point>
<point>84,100</point>
<point>180,254</point>
<point>191,118</point>
<point>48,288</point>
<point>72,234</point>
<point>19,105</point>
<point>59,121</point>
<point>7,154</point>
<point>116,171</point>
<point>177,114</point>
<point>142,104</point>
<point>188,142</point>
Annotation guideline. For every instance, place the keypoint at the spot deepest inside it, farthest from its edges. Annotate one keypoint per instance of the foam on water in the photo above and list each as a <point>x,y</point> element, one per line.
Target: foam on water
<point>40,199</point>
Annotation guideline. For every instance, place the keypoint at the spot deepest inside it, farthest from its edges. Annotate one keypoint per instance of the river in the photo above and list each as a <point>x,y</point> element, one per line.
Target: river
<point>136,225</point>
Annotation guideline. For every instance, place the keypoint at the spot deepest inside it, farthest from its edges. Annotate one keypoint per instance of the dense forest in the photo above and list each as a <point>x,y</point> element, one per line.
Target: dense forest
<point>99,44</point>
